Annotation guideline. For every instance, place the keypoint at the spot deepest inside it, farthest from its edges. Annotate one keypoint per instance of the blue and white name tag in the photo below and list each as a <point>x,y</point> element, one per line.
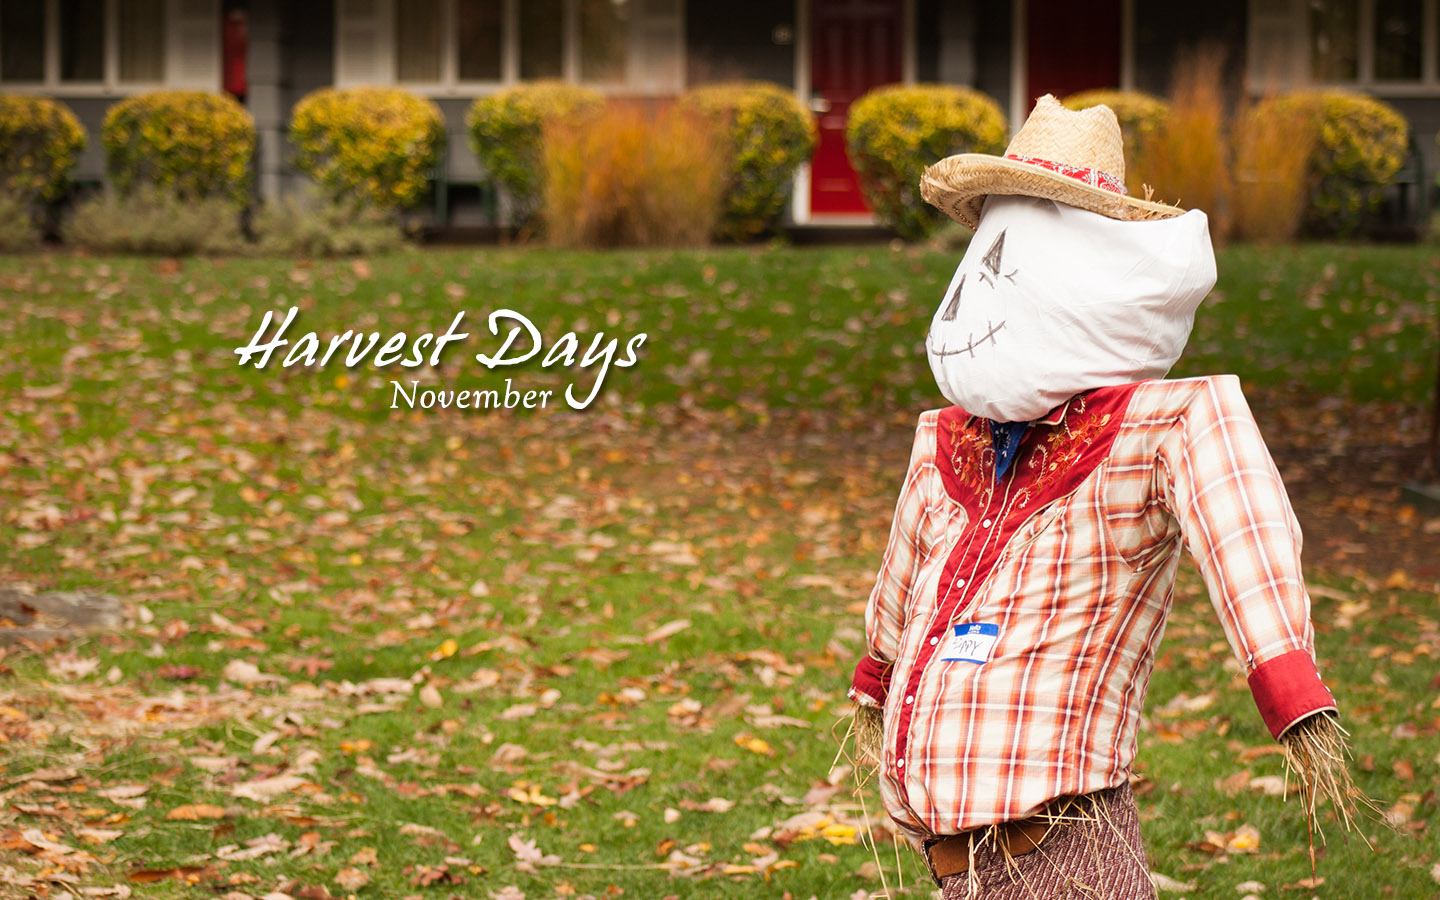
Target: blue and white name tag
<point>971,642</point>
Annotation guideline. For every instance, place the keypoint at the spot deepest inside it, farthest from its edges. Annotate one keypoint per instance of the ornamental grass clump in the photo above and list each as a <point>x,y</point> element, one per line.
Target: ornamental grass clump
<point>18,230</point>
<point>152,219</point>
<point>310,224</point>
<point>631,177</point>
<point>193,144</point>
<point>1187,159</point>
<point>1272,147</point>
<point>894,132</point>
<point>378,145</point>
<point>507,134</point>
<point>769,135</point>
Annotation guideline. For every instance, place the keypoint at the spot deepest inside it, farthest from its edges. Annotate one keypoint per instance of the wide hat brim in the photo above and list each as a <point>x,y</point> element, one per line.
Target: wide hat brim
<point>958,186</point>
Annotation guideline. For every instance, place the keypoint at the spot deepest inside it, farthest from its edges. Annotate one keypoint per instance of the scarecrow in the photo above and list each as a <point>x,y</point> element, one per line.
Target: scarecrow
<point>1014,622</point>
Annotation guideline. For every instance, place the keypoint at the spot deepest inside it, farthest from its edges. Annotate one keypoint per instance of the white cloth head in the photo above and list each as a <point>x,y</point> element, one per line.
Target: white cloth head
<point>1051,300</point>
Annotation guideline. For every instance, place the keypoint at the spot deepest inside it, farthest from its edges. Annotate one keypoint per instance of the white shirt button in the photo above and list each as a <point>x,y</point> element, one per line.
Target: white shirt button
<point>910,699</point>
<point>959,582</point>
<point>934,641</point>
<point>985,524</point>
<point>899,763</point>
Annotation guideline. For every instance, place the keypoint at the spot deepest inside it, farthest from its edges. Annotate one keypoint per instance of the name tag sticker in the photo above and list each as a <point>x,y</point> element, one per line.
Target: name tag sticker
<point>971,642</point>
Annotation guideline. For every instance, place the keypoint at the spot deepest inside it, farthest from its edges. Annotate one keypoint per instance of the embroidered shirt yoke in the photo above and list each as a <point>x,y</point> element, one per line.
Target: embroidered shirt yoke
<point>1072,556</point>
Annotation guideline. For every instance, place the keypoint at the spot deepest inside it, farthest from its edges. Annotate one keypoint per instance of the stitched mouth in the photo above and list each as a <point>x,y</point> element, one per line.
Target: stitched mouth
<point>971,341</point>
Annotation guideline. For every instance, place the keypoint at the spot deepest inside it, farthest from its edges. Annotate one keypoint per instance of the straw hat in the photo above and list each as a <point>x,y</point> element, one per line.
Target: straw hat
<point>1072,157</point>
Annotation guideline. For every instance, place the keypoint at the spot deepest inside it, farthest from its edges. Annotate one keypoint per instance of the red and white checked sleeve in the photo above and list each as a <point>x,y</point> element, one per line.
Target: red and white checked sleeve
<point>1216,476</point>
<point>890,599</point>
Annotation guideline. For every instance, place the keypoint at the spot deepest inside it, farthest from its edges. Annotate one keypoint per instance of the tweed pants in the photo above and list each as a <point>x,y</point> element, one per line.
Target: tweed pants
<point>1096,855</point>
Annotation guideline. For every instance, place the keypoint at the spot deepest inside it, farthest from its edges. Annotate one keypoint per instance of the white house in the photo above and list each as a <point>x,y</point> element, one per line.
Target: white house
<point>271,53</point>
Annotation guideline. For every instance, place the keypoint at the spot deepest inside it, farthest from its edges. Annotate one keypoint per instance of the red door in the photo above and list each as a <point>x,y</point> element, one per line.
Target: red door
<point>856,46</point>
<point>1071,46</point>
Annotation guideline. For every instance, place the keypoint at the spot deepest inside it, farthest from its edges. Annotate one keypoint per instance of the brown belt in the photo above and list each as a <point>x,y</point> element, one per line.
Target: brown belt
<point>950,854</point>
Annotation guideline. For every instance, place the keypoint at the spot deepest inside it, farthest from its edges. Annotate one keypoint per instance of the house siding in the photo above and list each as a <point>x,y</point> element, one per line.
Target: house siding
<point>461,164</point>
<point>91,113</point>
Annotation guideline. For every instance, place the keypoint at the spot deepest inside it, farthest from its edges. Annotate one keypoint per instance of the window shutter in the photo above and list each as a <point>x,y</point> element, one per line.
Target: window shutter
<point>364,43</point>
<point>193,58</point>
<point>656,65</point>
<point>1277,46</point>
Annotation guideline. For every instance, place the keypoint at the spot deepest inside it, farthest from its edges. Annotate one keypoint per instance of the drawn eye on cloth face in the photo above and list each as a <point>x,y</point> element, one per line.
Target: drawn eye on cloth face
<point>1050,300</point>
<point>991,267</point>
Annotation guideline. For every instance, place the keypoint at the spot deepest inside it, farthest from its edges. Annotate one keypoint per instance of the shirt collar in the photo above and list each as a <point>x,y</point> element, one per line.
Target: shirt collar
<point>1056,415</point>
<point>1053,417</point>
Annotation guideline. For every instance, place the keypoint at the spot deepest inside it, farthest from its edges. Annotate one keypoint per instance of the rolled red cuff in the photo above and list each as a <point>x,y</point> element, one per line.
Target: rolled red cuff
<point>871,679</point>
<point>1288,689</point>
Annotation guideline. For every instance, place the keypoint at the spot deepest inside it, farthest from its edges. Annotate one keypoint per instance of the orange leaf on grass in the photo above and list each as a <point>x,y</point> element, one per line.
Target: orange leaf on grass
<point>193,812</point>
<point>188,874</point>
<point>754,744</point>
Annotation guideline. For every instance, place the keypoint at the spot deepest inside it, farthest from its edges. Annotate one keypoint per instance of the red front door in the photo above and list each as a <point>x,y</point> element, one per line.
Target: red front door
<point>856,46</point>
<point>1071,46</point>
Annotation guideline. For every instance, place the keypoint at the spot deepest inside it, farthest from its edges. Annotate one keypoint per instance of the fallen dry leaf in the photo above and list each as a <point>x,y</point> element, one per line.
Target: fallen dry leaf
<point>1166,883</point>
<point>669,629</point>
<point>195,811</point>
<point>267,788</point>
<point>351,878</point>
<point>528,855</point>
<point>187,874</point>
<point>247,674</point>
<point>754,744</point>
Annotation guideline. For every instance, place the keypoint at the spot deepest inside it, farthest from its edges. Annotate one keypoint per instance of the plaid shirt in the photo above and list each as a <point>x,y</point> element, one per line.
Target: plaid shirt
<point>1070,559</point>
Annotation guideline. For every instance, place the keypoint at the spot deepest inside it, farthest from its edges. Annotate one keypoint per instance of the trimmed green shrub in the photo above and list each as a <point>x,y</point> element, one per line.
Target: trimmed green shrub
<point>769,134</point>
<point>1141,117</point>
<point>377,143</point>
<point>1362,143</point>
<point>506,133</point>
<point>895,132</point>
<point>40,140</point>
<point>154,219</point>
<point>192,143</point>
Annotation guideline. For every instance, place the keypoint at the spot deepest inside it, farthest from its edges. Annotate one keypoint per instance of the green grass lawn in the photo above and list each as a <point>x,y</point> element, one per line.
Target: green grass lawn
<point>380,652</point>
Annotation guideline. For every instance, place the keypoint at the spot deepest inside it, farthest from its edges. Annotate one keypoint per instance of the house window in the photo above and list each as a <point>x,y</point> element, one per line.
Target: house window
<point>1398,50</point>
<point>604,37</point>
<point>459,46</point>
<point>542,39</point>
<point>479,37</point>
<point>142,41</point>
<point>22,41</point>
<point>1334,40</point>
<point>82,40</point>
<point>1389,47</point>
<point>417,41</point>
<point>102,46</point>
